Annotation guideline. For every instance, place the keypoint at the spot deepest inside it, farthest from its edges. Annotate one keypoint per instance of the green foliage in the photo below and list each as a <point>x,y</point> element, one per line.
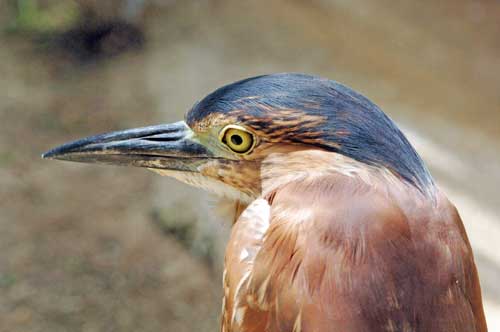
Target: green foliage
<point>31,17</point>
<point>7,280</point>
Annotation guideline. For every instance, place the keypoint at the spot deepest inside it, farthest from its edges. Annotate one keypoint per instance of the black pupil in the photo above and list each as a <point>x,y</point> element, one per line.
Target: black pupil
<point>236,139</point>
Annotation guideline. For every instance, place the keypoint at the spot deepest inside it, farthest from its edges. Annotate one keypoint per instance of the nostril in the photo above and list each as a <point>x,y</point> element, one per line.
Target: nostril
<point>163,137</point>
<point>157,139</point>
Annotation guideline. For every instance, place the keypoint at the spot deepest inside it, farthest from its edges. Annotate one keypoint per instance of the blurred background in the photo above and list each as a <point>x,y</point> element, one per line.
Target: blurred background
<point>91,248</point>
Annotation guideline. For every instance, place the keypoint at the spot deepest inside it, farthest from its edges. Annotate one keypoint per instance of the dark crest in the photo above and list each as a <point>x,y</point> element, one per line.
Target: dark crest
<point>311,110</point>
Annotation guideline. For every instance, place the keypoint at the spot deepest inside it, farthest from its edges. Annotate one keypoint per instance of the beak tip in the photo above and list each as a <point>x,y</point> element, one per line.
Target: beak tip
<point>47,155</point>
<point>61,152</point>
<point>54,153</point>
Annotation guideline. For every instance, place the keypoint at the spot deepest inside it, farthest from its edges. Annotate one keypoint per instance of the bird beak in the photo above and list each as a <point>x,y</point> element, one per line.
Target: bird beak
<point>168,146</point>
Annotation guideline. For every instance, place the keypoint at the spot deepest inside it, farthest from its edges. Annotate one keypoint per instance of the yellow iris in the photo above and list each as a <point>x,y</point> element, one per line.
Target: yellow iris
<point>238,140</point>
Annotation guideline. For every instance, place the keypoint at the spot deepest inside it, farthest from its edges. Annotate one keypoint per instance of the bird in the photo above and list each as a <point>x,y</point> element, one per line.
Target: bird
<point>336,223</point>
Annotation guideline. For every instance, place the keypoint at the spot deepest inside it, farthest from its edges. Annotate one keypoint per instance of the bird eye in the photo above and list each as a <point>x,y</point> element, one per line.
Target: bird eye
<point>237,139</point>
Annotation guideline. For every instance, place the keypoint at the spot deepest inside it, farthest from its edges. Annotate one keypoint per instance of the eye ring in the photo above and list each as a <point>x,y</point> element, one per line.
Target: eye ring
<point>238,139</point>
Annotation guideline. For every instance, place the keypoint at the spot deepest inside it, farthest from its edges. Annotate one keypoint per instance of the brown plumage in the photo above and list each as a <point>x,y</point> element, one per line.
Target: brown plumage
<point>349,252</point>
<point>338,225</point>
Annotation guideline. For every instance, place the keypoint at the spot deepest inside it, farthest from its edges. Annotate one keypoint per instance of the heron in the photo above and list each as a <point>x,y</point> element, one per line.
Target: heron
<point>337,224</point>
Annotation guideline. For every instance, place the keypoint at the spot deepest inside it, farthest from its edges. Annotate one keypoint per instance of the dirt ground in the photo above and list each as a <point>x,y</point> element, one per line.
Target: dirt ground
<point>81,246</point>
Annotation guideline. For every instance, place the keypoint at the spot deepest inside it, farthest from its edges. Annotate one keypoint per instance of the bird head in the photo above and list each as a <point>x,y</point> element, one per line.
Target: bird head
<point>229,135</point>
